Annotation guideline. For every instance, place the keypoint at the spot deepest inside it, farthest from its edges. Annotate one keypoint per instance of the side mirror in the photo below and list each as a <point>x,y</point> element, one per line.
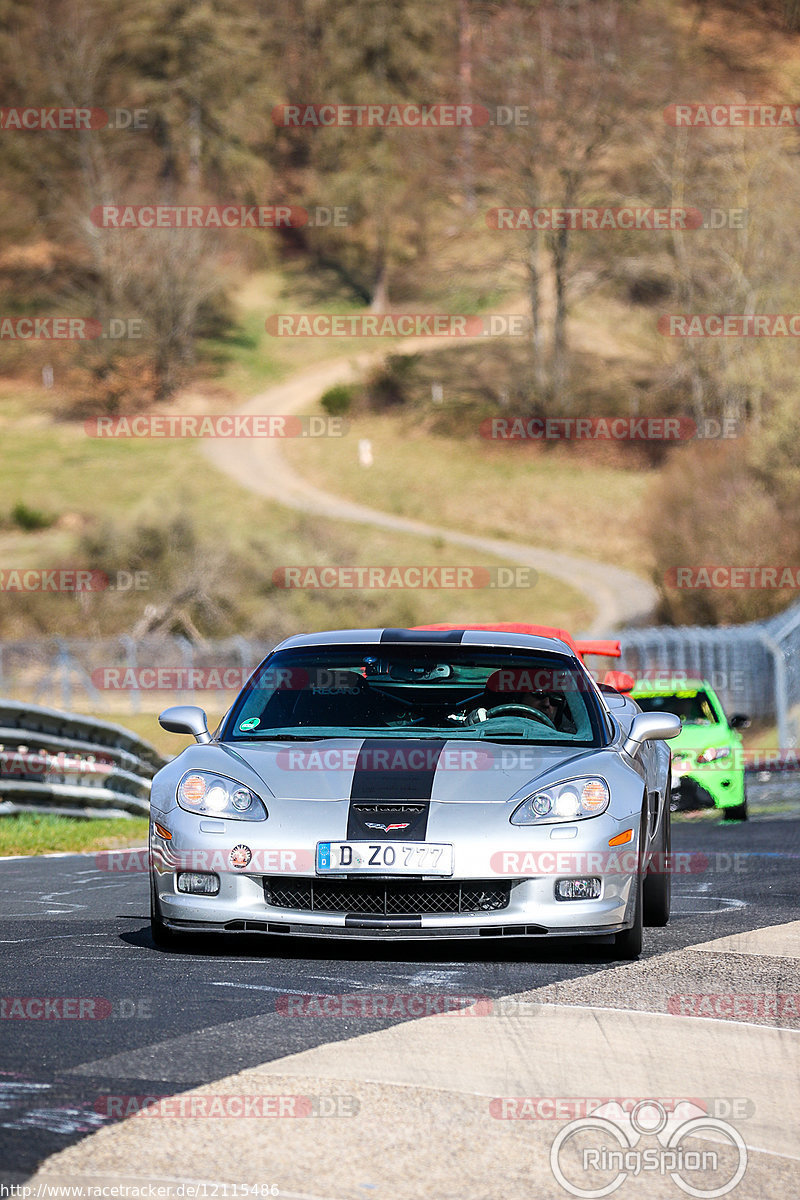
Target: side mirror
<point>649,726</point>
<point>739,721</point>
<point>186,718</point>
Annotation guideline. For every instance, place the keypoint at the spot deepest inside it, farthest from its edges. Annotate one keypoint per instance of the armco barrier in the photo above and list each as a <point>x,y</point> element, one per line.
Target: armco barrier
<point>755,668</point>
<point>60,762</point>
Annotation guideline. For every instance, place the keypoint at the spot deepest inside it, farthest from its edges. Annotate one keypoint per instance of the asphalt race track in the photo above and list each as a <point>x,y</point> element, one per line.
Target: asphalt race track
<point>395,1105</point>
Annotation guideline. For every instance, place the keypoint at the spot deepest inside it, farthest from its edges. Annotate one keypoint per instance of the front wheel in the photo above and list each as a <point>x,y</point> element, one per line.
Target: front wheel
<point>657,884</point>
<point>737,812</point>
<point>628,943</point>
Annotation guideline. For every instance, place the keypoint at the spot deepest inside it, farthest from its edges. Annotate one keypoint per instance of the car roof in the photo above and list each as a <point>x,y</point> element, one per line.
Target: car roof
<point>448,635</point>
<point>602,647</point>
<point>678,684</point>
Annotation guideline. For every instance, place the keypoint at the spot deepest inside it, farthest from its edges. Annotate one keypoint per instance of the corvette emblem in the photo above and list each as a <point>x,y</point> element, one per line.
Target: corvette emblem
<point>387,828</point>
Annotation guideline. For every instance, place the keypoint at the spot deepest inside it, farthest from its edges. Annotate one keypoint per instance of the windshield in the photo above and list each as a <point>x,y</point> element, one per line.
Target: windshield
<point>454,691</point>
<point>693,707</point>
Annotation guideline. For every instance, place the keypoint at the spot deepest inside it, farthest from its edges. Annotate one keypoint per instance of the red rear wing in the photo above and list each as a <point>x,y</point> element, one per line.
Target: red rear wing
<point>605,648</point>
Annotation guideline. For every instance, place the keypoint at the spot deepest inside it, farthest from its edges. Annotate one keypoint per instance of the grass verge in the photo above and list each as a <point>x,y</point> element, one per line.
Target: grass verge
<point>34,833</point>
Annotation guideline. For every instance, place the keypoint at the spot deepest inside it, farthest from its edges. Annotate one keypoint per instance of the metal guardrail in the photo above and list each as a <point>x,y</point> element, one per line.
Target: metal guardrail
<point>73,765</point>
<point>755,668</point>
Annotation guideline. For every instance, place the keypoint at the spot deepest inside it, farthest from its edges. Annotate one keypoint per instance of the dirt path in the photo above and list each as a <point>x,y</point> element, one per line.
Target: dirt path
<point>619,597</point>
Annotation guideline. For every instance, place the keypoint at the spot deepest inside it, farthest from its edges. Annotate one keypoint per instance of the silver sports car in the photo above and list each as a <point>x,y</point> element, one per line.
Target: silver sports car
<point>400,783</point>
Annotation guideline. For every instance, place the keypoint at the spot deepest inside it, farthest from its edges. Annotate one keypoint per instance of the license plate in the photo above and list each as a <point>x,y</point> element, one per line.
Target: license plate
<point>395,858</point>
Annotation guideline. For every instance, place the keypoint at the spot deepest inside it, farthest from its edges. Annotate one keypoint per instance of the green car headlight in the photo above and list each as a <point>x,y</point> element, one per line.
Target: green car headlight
<point>571,801</point>
<point>714,754</point>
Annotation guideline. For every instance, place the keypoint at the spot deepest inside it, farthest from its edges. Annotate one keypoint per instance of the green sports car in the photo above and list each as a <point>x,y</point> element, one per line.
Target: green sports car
<point>707,754</point>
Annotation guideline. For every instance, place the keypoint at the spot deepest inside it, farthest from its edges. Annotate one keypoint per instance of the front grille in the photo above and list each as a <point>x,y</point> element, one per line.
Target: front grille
<point>374,898</point>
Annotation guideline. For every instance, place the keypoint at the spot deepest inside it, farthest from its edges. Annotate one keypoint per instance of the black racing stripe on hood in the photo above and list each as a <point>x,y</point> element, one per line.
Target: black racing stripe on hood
<point>391,789</point>
<point>399,769</point>
<point>422,635</point>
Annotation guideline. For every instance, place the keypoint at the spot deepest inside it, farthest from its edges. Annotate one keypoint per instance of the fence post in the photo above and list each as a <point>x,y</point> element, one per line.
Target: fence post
<point>785,738</point>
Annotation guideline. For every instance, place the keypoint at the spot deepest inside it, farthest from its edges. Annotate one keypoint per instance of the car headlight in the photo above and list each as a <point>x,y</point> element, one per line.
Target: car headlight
<point>713,753</point>
<point>570,801</point>
<point>216,796</point>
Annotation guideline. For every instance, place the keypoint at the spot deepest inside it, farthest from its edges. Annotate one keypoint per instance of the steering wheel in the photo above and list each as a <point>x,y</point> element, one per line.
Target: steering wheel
<point>506,710</point>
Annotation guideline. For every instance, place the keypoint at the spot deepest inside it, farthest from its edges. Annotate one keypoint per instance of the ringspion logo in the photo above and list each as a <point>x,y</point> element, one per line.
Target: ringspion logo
<point>605,1143</point>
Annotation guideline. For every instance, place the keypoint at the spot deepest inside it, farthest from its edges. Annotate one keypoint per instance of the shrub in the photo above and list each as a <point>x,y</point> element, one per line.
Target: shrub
<point>337,400</point>
<point>30,518</point>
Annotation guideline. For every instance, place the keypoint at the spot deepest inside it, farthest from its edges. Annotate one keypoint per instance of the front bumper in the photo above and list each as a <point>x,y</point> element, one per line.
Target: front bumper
<point>355,933</point>
<point>489,852</point>
<point>707,788</point>
<point>242,905</point>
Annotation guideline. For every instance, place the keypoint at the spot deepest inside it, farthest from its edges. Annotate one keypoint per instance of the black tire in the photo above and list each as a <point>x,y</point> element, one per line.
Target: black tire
<point>628,943</point>
<point>657,885</point>
<point>735,812</point>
